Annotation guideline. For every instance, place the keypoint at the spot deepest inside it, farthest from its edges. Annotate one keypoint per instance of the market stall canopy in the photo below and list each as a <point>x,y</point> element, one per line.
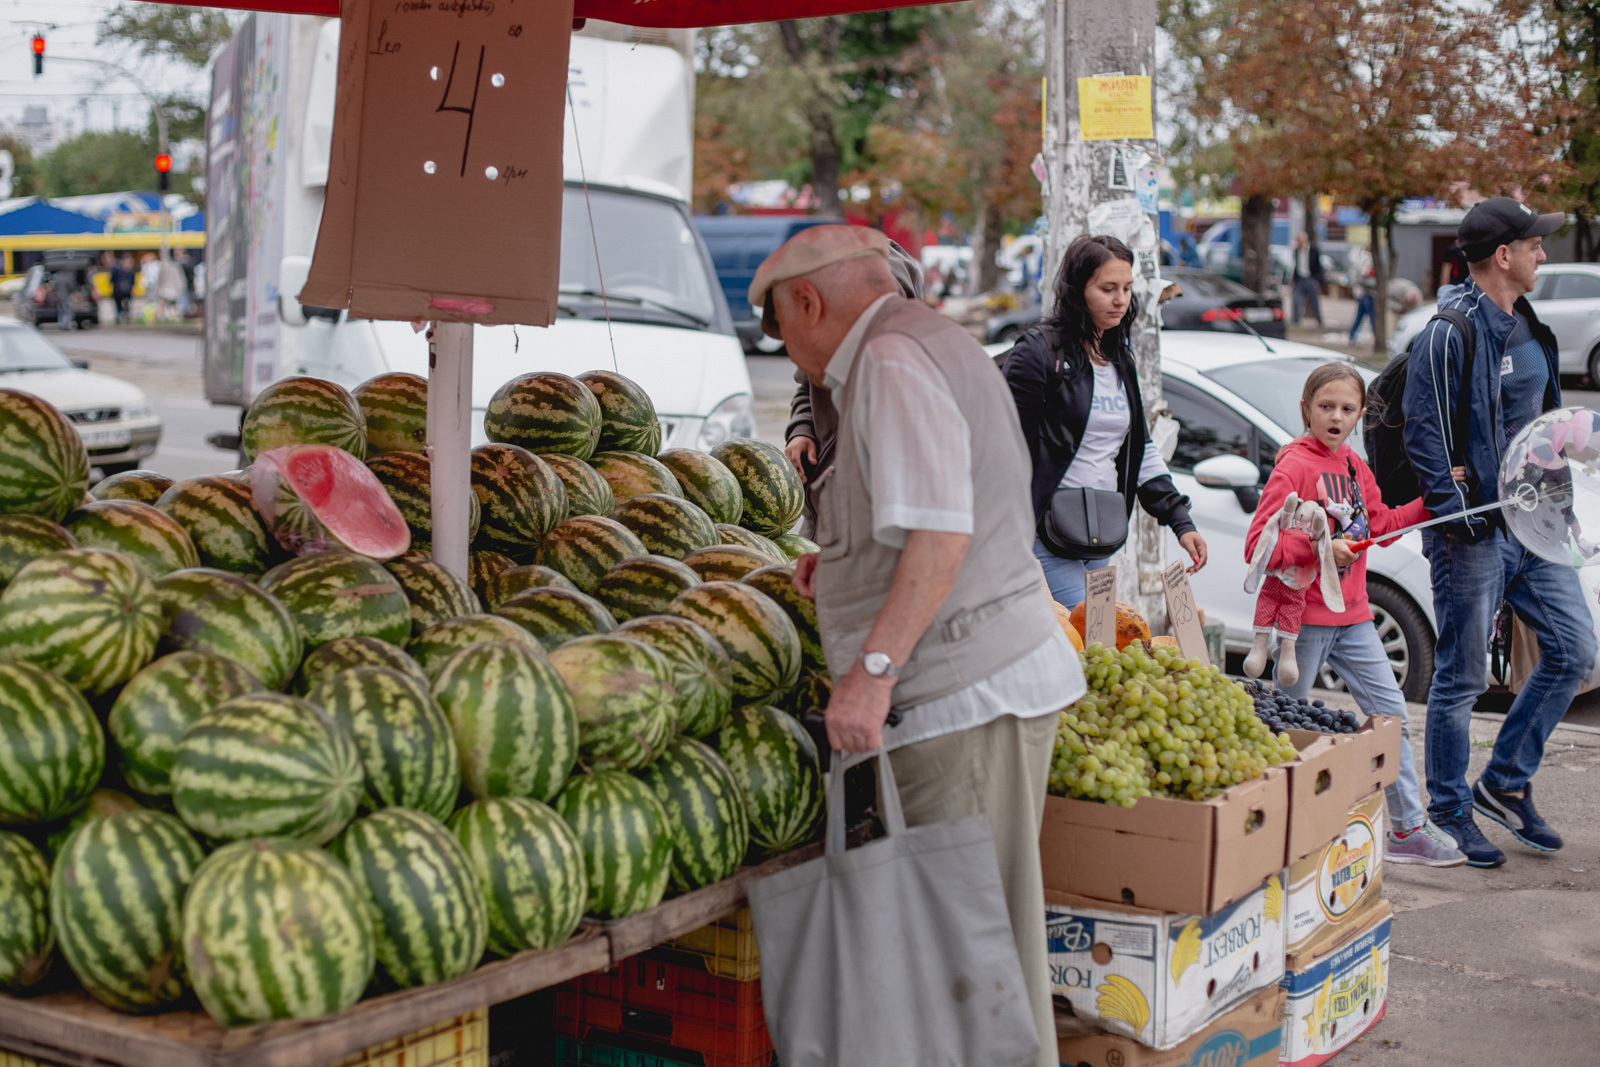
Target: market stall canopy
<point>628,12</point>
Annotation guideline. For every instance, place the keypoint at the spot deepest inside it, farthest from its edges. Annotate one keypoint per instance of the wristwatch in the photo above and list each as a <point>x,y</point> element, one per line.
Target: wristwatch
<point>879,665</point>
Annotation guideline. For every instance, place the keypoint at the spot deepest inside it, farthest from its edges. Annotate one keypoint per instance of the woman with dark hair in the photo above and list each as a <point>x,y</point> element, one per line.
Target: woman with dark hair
<point>1077,396</point>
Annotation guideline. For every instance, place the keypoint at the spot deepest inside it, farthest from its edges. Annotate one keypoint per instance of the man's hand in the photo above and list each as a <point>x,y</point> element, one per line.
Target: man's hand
<point>1195,545</point>
<point>1342,554</point>
<point>801,447</point>
<point>857,711</point>
<point>805,575</point>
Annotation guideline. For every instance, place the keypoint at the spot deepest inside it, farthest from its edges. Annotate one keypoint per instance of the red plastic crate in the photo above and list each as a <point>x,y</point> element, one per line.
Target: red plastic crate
<point>676,1005</point>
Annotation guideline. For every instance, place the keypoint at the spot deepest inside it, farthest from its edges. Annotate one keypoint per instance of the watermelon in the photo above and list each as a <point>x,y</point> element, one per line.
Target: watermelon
<point>702,676</point>
<point>144,486</point>
<point>545,412</point>
<point>529,868</point>
<point>24,538</point>
<point>775,763</point>
<point>434,593</point>
<point>513,720</point>
<point>395,407</point>
<point>622,691</point>
<point>275,929</point>
<point>267,765</point>
<point>26,937</point>
<point>101,803</point>
<point>668,525</point>
<point>303,411</point>
<point>160,703</point>
<point>116,901</point>
<point>340,594</point>
<point>585,548</point>
<point>232,617</point>
<point>725,563</point>
<point>429,921</point>
<point>773,494</point>
<point>509,583</point>
<point>404,738</point>
<point>151,538</point>
<point>778,583</point>
<point>632,473</point>
<point>628,419</point>
<point>706,481</point>
<point>482,568</point>
<point>793,545</point>
<point>91,617</point>
<point>221,518</point>
<point>44,469</point>
<point>705,813</point>
<point>644,585</point>
<point>555,616</point>
<point>739,536</point>
<point>408,479</point>
<point>811,693</point>
<point>758,637</point>
<point>587,492</point>
<point>52,749</point>
<point>318,497</point>
<point>442,640</point>
<point>519,498</point>
<point>625,839</point>
<point>343,653</point>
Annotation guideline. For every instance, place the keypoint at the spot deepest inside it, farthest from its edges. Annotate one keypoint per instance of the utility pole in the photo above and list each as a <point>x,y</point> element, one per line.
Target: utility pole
<point>1083,40</point>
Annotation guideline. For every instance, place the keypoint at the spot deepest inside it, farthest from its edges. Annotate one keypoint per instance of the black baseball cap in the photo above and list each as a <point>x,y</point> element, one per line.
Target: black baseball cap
<point>1499,221</point>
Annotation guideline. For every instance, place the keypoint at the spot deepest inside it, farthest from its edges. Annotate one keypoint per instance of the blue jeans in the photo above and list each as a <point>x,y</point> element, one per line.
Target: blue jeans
<point>1065,576</point>
<point>1469,582</point>
<point>1357,654</point>
<point>1364,305</point>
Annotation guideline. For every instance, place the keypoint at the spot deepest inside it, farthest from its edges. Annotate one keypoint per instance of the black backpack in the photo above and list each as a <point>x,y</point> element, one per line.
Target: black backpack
<point>1384,426</point>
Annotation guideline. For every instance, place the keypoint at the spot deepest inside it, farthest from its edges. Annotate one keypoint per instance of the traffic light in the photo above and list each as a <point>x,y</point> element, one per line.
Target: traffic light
<point>38,54</point>
<point>164,169</point>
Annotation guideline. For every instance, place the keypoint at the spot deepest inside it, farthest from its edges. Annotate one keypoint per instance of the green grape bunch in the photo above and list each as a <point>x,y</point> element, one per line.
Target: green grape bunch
<point>1156,724</point>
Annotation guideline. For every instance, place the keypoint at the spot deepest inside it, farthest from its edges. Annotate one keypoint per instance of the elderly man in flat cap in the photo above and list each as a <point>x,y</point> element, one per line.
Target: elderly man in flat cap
<point>929,601</point>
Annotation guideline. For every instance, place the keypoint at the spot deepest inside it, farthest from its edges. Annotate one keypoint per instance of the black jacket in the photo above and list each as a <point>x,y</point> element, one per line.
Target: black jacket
<point>1053,406</point>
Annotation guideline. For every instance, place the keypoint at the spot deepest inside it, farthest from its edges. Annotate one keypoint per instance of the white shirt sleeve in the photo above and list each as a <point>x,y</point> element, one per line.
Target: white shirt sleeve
<point>1152,465</point>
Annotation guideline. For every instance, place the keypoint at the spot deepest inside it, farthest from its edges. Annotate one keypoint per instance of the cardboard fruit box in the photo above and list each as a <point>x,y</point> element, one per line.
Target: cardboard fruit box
<point>1247,1036</point>
<point>1336,994</point>
<point>1334,889</point>
<point>1324,782</point>
<point>1379,741</point>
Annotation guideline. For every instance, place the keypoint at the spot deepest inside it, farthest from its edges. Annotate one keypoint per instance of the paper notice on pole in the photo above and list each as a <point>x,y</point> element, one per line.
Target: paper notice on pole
<point>1100,607</point>
<point>1125,220</point>
<point>1182,616</point>
<point>1116,108</point>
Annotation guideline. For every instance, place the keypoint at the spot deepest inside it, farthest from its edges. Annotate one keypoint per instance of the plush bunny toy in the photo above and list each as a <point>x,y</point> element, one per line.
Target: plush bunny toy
<point>1281,600</point>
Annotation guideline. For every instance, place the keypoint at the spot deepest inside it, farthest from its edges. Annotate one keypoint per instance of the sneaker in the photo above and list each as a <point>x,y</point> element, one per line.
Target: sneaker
<point>1516,814</point>
<point>1427,845</point>
<point>1469,839</point>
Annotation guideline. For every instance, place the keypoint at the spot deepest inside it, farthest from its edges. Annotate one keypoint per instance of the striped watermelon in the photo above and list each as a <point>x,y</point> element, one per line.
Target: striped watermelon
<point>758,637</point>
<point>739,536</point>
<point>442,640</point>
<point>773,494</point>
<point>24,538</point>
<point>778,583</point>
<point>151,538</point>
<point>705,813</point>
<point>267,765</point>
<point>52,749</point>
<point>628,419</point>
<point>275,929</point>
<point>408,478</point>
<point>340,594</point>
<point>429,921</point>
<point>626,841</point>
<point>587,492</point>
<point>794,546</point>
<point>555,616</point>
<point>707,481</point>
<point>26,937</point>
<point>91,617</point>
<point>482,568</point>
<point>101,803</point>
<point>406,747</point>
<point>433,592</point>
<point>44,469</point>
<point>644,585</point>
<point>395,407</point>
<point>303,411</point>
<point>509,583</point>
<point>632,473</point>
<point>143,486</point>
<point>343,653</point>
<point>622,691</point>
<point>530,869</point>
<point>519,497</point>
<point>585,548</point>
<point>545,412</point>
<point>512,718</point>
<point>668,525</point>
<point>160,703</point>
<point>775,763</point>
<point>318,497</point>
<point>232,617</point>
<point>227,530</point>
<point>725,563</point>
<point>116,901</point>
<point>702,676</point>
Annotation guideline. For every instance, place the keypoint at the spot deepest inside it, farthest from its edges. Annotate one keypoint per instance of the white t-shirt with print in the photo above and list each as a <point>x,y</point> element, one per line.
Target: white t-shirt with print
<point>1094,466</point>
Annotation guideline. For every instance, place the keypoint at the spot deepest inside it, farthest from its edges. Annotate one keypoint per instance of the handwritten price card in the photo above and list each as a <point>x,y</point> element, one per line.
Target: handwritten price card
<point>444,189</point>
<point>1100,607</point>
<point>1182,616</point>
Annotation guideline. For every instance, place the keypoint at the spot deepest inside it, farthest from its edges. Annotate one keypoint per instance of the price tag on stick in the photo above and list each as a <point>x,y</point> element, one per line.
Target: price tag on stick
<point>1100,607</point>
<point>1182,616</point>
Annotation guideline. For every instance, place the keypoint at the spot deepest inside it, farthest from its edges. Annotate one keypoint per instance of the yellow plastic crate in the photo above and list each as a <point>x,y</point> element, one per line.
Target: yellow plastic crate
<point>728,947</point>
<point>13,1059</point>
<point>459,1042</point>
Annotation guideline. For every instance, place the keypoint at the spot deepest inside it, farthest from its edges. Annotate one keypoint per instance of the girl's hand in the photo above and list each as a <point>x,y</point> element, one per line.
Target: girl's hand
<point>1195,545</point>
<point>1342,554</point>
<point>1458,473</point>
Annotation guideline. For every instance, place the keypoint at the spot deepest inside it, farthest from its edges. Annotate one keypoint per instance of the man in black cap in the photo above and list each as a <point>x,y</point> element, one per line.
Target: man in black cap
<point>1476,564</point>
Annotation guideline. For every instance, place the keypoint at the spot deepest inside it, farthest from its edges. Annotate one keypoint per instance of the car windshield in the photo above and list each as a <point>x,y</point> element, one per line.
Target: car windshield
<point>23,349</point>
<point>1273,387</point>
<point>649,258</point>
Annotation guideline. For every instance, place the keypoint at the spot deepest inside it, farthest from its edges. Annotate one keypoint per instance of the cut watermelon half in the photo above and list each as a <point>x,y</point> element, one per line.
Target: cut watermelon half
<point>320,497</point>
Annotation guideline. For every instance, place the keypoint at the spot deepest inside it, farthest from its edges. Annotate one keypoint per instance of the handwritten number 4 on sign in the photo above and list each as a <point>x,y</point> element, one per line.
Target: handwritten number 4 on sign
<point>470,110</point>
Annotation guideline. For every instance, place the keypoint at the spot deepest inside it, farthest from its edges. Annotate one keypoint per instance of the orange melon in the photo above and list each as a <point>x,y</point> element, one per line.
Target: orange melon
<point>1131,624</point>
<point>1064,617</point>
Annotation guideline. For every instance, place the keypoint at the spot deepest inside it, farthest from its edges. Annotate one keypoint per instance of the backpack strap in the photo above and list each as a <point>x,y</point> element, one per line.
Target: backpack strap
<point>1462,422</point>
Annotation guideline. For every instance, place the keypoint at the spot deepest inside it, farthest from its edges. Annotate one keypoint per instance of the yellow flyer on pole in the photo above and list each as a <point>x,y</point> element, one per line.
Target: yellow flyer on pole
<point>1115,108</point>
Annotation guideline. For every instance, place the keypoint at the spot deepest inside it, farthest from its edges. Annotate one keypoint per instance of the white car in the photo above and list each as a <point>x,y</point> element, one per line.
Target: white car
<point>113,417</point>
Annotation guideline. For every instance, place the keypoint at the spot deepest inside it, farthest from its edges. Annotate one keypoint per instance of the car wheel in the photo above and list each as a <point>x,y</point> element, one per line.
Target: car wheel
<point>1407,640</point>
<point>1008,336</point>
<point>1594,368</point>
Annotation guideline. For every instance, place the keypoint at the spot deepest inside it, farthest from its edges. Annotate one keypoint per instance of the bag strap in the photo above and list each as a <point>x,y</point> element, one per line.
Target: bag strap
<point>1462,423</point>
<point>894,820</point>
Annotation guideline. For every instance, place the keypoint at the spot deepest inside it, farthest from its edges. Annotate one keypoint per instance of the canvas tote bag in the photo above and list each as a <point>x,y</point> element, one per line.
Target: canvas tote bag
<point>896,952</point>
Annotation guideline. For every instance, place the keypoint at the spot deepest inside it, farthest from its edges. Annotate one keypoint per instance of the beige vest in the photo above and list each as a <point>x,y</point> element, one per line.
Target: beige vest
<point>996,613</point>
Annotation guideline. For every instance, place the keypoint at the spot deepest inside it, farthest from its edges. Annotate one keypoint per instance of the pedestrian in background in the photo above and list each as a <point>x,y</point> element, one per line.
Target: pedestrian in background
<point>1364,282</point>
<point>122,287</point>
<point>1307,280</point>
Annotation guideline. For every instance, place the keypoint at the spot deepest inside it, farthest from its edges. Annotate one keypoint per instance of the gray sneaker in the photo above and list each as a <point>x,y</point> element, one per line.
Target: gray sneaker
<point>1427,845</point>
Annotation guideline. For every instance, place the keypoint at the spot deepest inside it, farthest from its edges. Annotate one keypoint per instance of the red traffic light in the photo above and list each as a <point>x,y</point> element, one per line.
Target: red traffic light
<point>163,163</point>
<point>38,44</point>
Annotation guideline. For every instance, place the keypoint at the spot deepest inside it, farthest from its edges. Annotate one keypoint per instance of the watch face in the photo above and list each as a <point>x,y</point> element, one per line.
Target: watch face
<point>877,663</point>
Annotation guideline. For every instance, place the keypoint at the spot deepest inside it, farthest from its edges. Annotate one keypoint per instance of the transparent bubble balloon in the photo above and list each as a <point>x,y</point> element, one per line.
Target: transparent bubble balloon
<point>1550,484</point>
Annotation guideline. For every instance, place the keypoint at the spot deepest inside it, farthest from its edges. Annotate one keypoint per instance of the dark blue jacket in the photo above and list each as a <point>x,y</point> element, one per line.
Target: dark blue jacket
<point>1433,382</point>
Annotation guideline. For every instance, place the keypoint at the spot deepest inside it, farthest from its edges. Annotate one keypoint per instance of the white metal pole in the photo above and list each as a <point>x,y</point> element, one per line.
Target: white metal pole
<point>450,439</point>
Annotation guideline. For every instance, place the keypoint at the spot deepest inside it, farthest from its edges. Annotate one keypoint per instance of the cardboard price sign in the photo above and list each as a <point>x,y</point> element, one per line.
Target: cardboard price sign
<point>1100,607</point>
<point>1182,616</point>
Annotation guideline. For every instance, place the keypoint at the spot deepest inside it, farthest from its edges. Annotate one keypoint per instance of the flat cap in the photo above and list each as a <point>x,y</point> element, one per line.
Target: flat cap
<point>812,249</point>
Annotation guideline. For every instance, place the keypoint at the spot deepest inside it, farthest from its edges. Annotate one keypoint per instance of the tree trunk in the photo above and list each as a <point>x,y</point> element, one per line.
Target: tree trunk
<point>824,146</point>
<point>1380,283</point>
<point>985,243</point>
<point>1311,219</point>
<point>1255,241</point>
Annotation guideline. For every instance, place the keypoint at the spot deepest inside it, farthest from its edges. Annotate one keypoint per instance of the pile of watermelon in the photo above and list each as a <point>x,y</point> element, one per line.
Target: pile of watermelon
<point>255,744</point>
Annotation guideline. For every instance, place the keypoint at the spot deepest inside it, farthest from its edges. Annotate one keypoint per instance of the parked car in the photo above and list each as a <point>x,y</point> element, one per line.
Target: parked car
<point>38,299</point>
<point>738,244</point>
<point>1221,250</point>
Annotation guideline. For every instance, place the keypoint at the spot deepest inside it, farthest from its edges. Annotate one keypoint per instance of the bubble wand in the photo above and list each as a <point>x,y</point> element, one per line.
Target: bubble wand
<point>1527,498</point>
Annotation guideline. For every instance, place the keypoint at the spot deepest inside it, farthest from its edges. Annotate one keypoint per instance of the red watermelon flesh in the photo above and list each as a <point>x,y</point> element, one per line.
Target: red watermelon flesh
<point>319,497</point>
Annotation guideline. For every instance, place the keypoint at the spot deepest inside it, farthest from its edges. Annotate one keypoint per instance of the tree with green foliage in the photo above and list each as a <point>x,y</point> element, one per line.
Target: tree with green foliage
<point>110,161</point>
<point>1564,38</point>
<point>189,34</point>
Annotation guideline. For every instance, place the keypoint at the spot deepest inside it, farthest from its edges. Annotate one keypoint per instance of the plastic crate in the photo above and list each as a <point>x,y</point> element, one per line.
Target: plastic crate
<point>669,1004</point>
<point>16,1059</point>
<point>459,1042</point>
<point>727,947</point>
<point>570,1053</point>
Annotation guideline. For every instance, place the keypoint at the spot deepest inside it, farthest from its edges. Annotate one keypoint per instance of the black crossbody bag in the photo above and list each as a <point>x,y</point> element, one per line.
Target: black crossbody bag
<point>1082,523</point>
